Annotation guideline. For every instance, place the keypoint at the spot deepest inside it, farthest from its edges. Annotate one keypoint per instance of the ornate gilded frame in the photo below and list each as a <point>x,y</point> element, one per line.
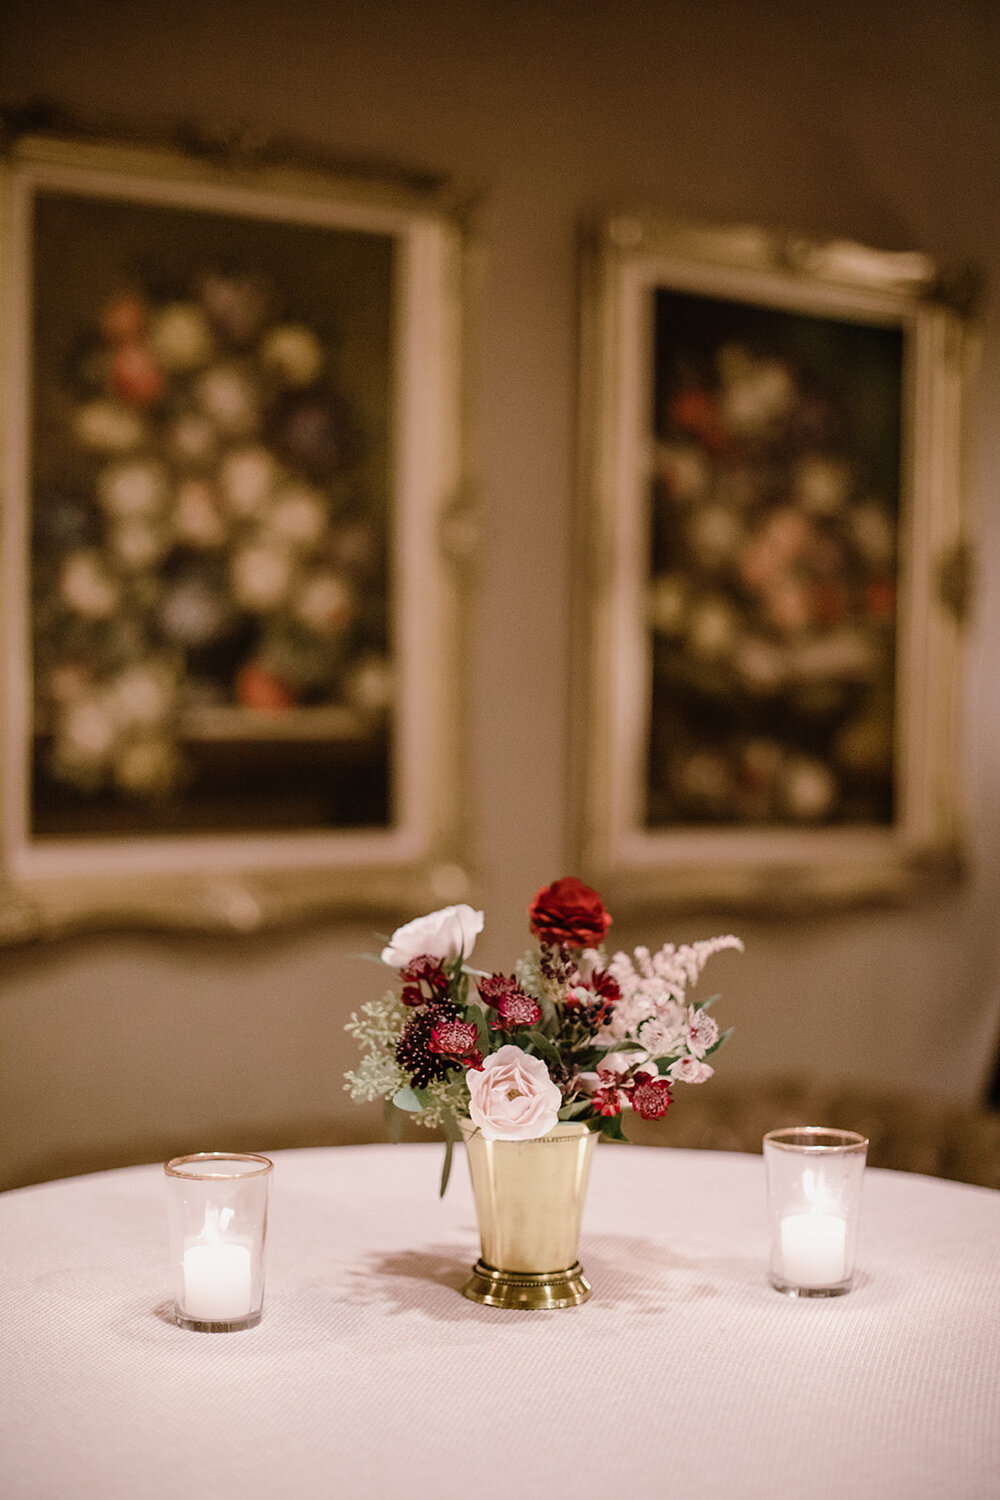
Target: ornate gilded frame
<point>730,862</point>
<point>252,877</point>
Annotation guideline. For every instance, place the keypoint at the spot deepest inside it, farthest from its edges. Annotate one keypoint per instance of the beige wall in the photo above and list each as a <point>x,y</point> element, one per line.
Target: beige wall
<point>876,121</point>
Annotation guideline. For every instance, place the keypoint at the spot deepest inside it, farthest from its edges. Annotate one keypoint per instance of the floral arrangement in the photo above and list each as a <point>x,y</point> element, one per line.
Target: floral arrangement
<point>204,542</point>
<point>569,1036</point>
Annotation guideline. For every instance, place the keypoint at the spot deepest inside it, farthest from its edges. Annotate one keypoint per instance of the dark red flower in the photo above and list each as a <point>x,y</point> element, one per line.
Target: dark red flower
<point>457,1040</point>
<point>413,1050</point>
<point>593,999</point>
<point>493,987</point>
<point>424,978</point>
<point>569,914</point>
<point>516,1009</point>
<point>136,377</point>
<point>651,1097</point>
<point>694,409</point>
<point>608,1101</point>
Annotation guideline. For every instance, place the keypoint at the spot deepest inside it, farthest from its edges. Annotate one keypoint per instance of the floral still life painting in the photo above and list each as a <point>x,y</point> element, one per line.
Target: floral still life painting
<point>773,588</point>
<point>572,1035</point>
<point>235,532</point>
<point>209,536</point>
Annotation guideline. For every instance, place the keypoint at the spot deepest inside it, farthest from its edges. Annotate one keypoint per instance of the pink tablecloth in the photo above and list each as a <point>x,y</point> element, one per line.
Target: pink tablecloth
<point>685,1375</point>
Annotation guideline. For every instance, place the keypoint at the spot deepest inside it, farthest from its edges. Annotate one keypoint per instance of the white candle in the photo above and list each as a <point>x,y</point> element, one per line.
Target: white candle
<point>813,1249</point>
<point>217,1282</point>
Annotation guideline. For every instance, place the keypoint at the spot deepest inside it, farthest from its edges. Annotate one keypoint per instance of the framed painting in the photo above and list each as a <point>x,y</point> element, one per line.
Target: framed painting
<point>774,567</point>
<point>231,409</point>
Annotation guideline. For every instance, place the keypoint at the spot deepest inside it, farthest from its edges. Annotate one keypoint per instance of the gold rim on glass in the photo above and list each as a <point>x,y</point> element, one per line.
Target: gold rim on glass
<point>815,1138</point>
<point>255,1166</point>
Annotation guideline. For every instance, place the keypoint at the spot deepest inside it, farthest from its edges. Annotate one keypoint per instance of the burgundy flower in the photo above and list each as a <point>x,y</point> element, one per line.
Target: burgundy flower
<point>493,987</point>
<point>423,979</point>
<point>568,914</point>
<point>651,1097</point>
<point>456,1040</point>
<point>513,1007</point>
<point>594,998</point>
<point>608,1101</point>
<point>413,1050</point>
<point>516,1009</point>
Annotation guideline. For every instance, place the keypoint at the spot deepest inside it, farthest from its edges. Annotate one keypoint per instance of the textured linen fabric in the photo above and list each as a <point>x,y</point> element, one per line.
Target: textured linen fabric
<point>685,1375</point>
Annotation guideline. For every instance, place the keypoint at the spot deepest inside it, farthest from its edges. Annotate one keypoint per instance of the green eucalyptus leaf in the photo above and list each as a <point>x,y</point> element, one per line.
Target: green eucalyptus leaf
<point>611,1128</point>
<point>409,1100</point>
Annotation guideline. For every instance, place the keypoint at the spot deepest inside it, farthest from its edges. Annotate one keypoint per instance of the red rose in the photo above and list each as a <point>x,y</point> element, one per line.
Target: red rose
<point>569,914</point>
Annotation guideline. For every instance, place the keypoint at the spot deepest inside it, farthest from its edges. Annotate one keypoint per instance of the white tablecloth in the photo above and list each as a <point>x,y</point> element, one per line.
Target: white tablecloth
<point>685,1375</point>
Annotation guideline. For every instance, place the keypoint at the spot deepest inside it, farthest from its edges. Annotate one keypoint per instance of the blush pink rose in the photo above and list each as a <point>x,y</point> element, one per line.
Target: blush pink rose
<point>512,1098</point>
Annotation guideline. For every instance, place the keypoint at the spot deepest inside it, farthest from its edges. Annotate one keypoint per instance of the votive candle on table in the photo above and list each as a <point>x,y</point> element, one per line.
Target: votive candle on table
<point>814,1179</point>
<point>217,1214</point>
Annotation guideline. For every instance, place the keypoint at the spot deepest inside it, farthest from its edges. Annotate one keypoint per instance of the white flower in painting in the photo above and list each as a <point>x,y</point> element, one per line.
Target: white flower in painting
<point>512,1097</point>
<point>370,685</point>
<point>260,577</point>
<point>197,521</point>
<point>227,395</point>
<point>298,515</point>
<point>146,765</point>
<point>133,488</point>
<point>324,602</point>
<point>192,613</point>
<point>193,438</point>
<point>689,1070</point>
<point>712,629</point>
<point>820,484</point>
<point>108,427</point>
<point>294,352</point>
<point>181,337</point>
<point>445,935</point>
<point>87,728</point>
<point>761,665</point>
<point>142,695</point>
<point>845,654</point>
<point>715,535</point>
<point>667,606</point>
<point>684,468</point>
<point>247,477</point>
<point>809,788</point>
<point>86,585</point>
<point>138,545</point>
<point>756,393</point>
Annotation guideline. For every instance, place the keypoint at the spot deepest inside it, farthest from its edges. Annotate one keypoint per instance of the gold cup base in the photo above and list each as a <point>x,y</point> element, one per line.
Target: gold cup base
<point>527,1289</point>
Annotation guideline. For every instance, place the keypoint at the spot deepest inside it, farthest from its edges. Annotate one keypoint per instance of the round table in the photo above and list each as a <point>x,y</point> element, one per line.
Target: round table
<point>686,1374</point>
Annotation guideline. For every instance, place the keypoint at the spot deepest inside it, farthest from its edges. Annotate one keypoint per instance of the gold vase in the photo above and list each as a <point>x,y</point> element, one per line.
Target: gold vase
<point>529,1201</point>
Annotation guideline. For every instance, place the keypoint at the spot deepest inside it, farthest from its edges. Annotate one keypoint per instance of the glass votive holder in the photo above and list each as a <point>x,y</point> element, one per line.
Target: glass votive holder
<point>217,1215</point>
<point>814,1179</point>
